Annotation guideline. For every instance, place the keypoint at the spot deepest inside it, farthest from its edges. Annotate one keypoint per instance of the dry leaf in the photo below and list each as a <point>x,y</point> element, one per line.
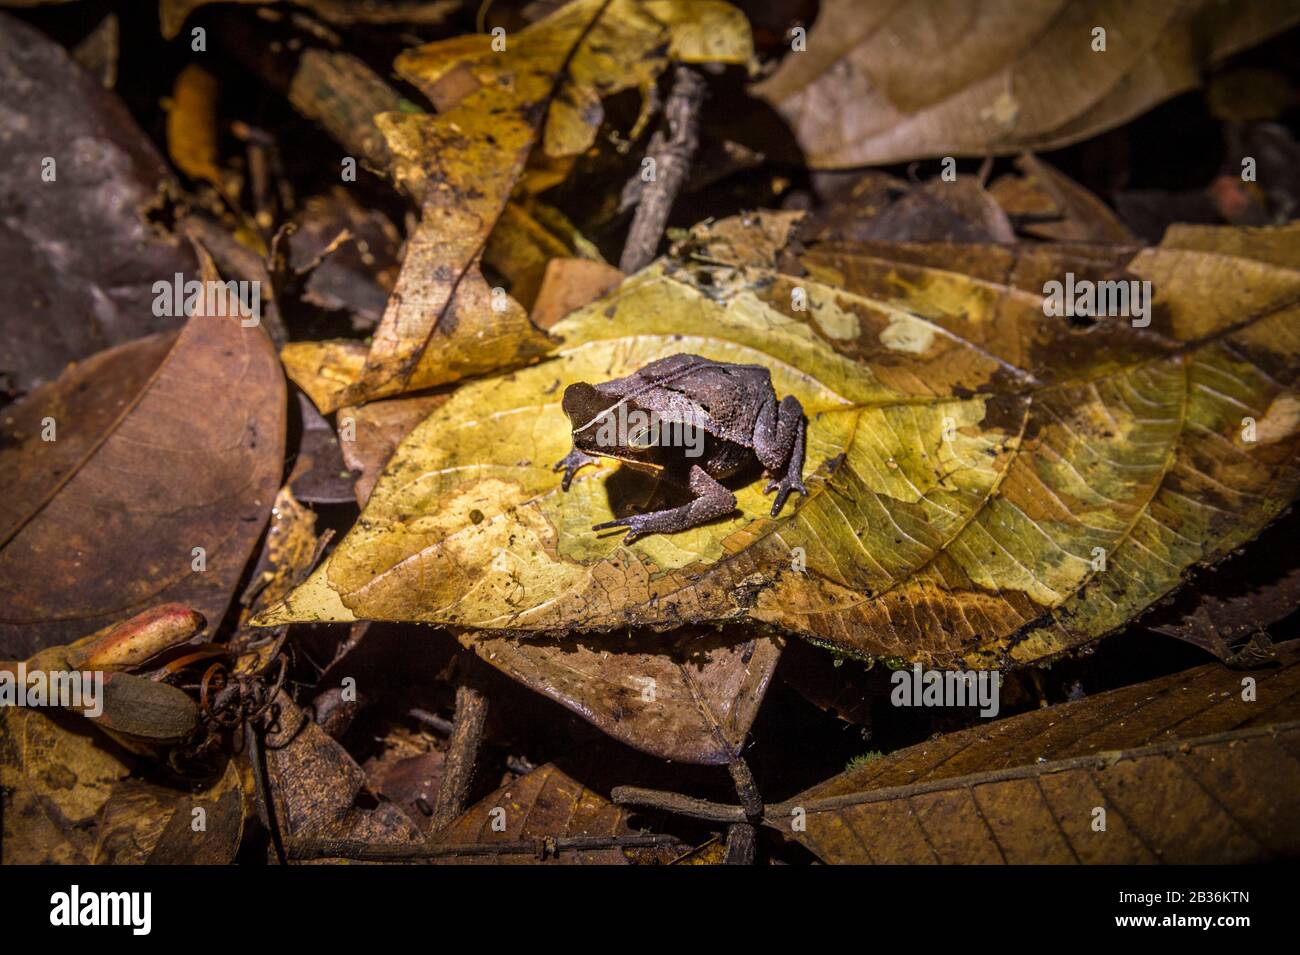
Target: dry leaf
<point>1050,205</point>
<point>80,258</point>
<point>443,322</point>
<point>689,696</point>
<point>1185,769</point>
<point>568,284</point>
<point>881,82</point>
<point>164,445</point>
<point>546,803</point>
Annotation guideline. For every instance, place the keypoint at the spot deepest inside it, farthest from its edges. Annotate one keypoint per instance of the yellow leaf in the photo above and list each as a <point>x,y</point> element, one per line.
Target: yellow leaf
<point>987,483</point>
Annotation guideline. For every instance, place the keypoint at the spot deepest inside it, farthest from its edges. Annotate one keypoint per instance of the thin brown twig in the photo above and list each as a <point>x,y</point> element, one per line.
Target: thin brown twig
<point>546,847</point>
<point>672,152</point>
<point>463,745</point>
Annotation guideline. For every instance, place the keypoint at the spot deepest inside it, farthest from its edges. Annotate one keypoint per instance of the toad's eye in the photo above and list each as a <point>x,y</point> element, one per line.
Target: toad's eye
<point>642,439</point>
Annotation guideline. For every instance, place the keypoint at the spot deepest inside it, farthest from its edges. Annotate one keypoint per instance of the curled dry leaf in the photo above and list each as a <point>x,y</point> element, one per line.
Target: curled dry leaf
<point>443,322</point>
<point>1186,769</point>
<point>315,784</point>
<point>80,258</point>
<point>881,82</point>
<point>970,459</point>
<point>163,446</point>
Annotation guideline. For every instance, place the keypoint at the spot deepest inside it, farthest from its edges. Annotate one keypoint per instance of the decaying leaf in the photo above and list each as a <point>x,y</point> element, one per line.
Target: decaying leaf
<point>315,784</point>
<point>1187,768</point>
<point>165,458</point>
<point>77,175</point>
<point>546,803</point>
<point>881,82</point>
<point>970,459</point>
<point>689,696</point>
<point>443,322</point>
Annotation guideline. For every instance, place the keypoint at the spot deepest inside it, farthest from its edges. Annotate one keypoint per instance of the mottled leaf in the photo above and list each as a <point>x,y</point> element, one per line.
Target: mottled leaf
<point>443,322</point>
<point>968,455</point>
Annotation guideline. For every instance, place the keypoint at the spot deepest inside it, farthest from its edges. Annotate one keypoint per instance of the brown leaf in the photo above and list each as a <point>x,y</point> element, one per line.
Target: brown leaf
<point>150,823</point>
<point>164,445</point>
<point>547,802</point>
<point>1185,768</point>
<point>320,475</point>
<point>1050,205</point>
<point>880,207</point>
<point>689,696</point>
<point>377,429</point>
<point>315,784</point>
<point>881,82</point>
<point>568,285</point>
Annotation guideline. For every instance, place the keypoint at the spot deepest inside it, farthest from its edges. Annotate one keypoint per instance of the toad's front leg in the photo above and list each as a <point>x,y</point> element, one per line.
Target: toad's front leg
<point>779,446</point>
<point>711,500</point>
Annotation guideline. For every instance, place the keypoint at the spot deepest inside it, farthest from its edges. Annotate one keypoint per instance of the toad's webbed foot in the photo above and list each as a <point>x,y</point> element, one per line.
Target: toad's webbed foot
<point>711,500</point>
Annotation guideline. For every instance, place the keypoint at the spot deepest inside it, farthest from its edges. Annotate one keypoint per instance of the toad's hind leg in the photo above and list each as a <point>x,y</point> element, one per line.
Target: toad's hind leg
<point>779,435</point>
<point>711,500</point>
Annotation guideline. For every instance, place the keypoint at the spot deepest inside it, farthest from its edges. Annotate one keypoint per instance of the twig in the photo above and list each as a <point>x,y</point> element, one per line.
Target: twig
<point>439,723</point>
<point>676,802</point>
<point>672,153</point>
<point>746,789</point>
<point>547,847</point>
<point>463,746</point>
<point>742,839</point>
